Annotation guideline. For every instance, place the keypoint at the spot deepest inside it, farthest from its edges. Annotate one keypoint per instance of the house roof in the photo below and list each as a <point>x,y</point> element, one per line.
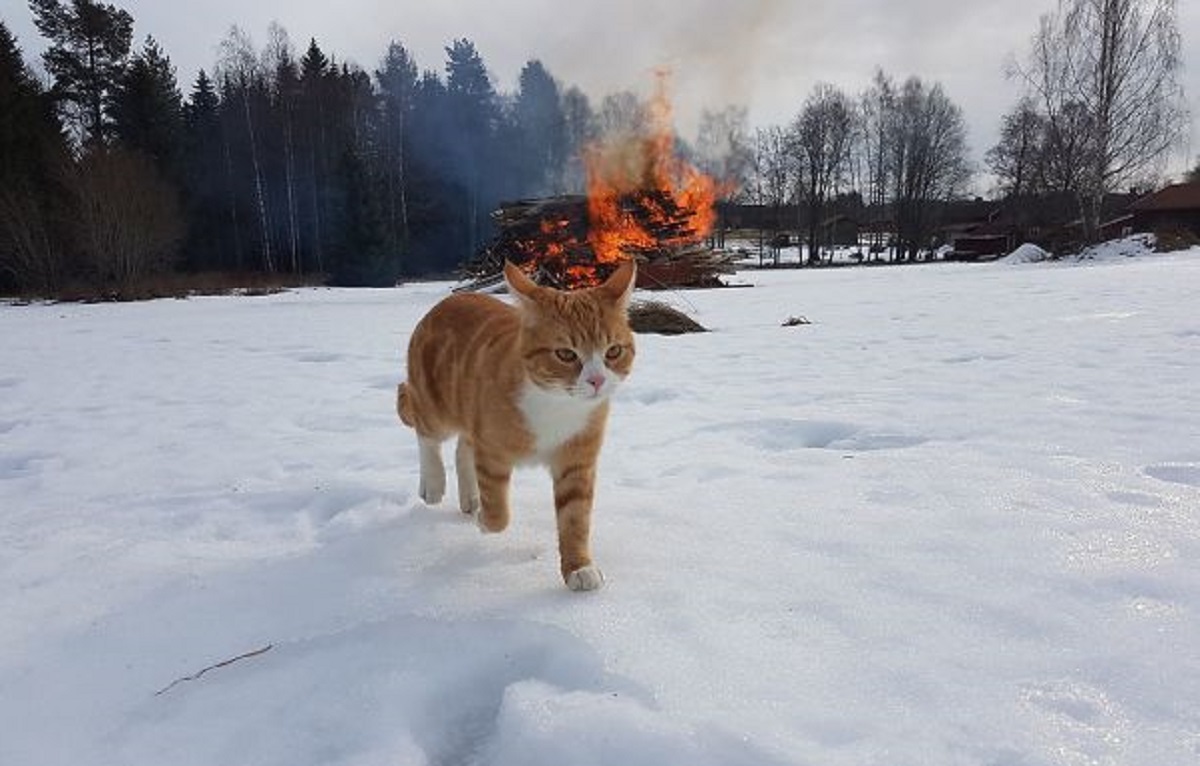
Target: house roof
<point>1175,197</point>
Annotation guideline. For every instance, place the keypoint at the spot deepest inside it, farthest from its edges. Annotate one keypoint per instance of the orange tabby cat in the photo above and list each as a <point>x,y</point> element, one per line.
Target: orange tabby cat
<point>520,385</point>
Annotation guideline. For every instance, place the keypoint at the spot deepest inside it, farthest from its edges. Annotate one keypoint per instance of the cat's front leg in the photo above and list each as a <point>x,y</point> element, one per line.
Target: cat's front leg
<point>574,489</point>
<point>493,477</point>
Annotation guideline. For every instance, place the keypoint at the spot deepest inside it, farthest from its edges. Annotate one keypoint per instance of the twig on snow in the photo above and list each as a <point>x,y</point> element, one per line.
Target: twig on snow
<point>223,663</point>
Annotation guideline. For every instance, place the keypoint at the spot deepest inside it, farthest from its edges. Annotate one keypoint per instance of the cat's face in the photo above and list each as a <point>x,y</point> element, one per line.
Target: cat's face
<point>576,344</point>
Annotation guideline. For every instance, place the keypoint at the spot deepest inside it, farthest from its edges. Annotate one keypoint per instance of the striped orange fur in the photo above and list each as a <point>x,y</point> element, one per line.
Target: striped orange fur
<point>519,385</point>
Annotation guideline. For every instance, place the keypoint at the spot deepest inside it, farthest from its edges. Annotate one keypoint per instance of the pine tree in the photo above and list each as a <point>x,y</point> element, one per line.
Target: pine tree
<point>148,109</point>
<point>33,158</point>
<point>579,131</point>
<point>440,236</point>
<point>542,130</point>
<point>361,257</point>
<point>312,156</point>
<point>474,116</point>
<point>397,80</point>
<point>89,44</point>
<point>210,243</point>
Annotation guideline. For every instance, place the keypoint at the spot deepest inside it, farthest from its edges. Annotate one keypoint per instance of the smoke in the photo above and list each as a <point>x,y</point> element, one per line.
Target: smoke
<point>714,50</point>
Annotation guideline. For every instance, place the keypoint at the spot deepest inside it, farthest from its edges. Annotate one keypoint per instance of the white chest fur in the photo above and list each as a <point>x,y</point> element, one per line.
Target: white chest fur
<point>553,419</point>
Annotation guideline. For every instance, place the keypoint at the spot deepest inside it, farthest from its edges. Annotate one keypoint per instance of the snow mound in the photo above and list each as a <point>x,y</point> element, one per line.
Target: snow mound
<point>1126,247</point>
<point>1027,253</point>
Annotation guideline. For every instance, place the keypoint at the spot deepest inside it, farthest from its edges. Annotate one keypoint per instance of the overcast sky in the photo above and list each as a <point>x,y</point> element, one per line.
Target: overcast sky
<point>763,54</point>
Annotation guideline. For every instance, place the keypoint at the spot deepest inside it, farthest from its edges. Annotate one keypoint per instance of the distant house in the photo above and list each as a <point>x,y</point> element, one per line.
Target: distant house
<point>1173,209</point>
<point>976,230</point>
<point>1118,227</point>
<point>982,244</point>
<point>840,230</point>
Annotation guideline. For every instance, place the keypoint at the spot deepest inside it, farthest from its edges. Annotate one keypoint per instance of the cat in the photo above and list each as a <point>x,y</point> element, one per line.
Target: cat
<point>523,384</point>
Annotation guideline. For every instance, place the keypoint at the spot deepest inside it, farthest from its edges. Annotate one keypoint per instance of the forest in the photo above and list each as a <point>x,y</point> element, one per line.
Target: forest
<point>275,161</point>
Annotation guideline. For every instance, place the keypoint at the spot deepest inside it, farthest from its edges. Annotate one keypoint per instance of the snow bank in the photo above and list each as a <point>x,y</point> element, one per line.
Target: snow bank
<point>1027,253</point>
<point>1126,247</point>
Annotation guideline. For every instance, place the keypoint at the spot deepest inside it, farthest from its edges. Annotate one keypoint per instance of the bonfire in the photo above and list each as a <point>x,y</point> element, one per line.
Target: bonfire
<point>643,202</point>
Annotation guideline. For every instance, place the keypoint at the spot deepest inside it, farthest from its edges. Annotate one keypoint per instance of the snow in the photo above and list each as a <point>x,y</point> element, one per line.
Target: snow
<point>1136,245</point>
<point>1126,247</point>
<point>952,521</point>
<point>1027,253</point>
<point>796,254</point>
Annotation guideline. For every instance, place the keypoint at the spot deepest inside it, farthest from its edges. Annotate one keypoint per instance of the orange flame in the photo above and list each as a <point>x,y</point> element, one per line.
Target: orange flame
<point>642,199</point>
<point>641,195</point>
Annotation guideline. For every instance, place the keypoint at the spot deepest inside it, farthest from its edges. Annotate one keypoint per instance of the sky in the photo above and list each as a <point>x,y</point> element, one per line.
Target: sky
<point>765,55</point>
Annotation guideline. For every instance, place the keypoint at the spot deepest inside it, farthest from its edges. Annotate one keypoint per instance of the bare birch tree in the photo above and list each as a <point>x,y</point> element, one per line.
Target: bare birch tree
<point>929,161</point>
<point>279,62</point>
<point>914,148</point>
<point>397,78</point>
<point>876,117</point>
<point>239,66</point>
<point>1018,158</point>
<point>821,138</point>
<point>1107,75</point>
<point>772,178</point>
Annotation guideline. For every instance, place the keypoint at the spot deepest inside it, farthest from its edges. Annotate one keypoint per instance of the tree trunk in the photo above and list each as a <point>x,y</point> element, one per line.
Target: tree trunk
<point>316,207</point>
<point>233,212</point>
<point>290,180</point>
<point>403,183</point>
<point>259,192</point>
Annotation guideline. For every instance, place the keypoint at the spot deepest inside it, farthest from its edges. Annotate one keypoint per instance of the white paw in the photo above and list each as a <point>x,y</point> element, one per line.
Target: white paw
<point>432,489</point>
<point>470,505</point>
<point>585,578</point>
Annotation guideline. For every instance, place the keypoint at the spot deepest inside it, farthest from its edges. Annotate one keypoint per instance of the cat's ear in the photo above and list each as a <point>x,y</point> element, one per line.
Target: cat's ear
<point>619,286</point>
<point>519,284</point>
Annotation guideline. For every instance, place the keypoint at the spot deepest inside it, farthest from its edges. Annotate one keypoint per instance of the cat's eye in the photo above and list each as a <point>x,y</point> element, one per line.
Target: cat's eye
<point>614,352</point>
<point>566,355</point>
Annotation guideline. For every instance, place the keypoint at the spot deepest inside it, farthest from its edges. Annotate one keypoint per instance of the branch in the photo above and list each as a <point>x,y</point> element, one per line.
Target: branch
<point>224,663</point>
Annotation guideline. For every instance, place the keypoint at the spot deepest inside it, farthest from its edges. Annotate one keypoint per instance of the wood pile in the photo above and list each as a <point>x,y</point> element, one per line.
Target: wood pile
<point>553,233</point>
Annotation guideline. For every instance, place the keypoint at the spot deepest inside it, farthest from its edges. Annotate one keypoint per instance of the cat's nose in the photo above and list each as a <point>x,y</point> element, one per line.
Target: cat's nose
<point>596,381</point>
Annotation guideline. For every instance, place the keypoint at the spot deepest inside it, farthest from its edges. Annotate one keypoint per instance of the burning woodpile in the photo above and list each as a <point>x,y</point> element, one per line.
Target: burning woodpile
<point>549,237</point>
<point>642,202</point>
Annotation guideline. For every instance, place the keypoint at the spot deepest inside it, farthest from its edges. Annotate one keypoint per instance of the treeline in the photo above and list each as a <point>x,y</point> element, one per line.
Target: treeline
<point>276,161</point>
<point>898,151</point>
<point>291,163</point>
<point>1102,110</point>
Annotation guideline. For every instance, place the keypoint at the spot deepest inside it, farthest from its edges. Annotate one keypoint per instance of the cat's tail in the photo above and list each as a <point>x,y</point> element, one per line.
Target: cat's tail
<point>404,405</point>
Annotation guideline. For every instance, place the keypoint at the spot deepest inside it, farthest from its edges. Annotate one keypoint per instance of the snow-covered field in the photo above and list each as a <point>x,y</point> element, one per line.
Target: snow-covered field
<point>955,520</point>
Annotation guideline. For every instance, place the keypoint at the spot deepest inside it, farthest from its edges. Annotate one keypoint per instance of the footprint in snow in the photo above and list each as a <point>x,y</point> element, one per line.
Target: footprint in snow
<point>319,357</point>
<point>1175,473</point>
<point>775,434</point>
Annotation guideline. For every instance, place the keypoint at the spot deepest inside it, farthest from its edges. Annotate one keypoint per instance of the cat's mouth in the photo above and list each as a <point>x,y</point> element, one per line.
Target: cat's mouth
<point>586,392</point>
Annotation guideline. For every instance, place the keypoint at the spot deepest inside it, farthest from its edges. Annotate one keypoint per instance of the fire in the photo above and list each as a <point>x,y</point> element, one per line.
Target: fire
<point>642,199</point>
<point>641,195</point>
